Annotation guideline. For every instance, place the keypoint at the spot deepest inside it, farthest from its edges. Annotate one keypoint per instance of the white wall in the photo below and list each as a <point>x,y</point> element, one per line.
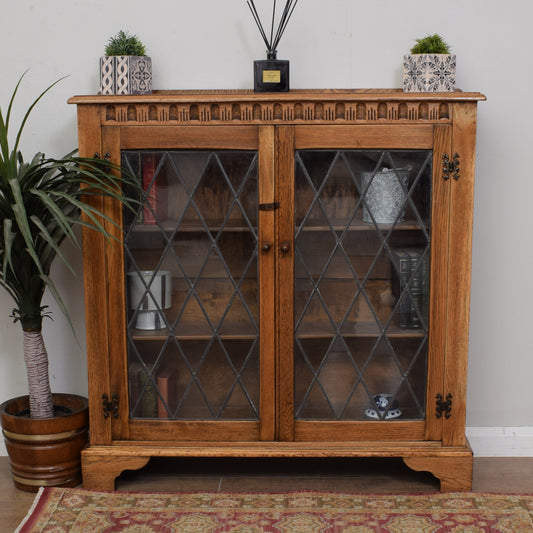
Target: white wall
<point>204,44</point>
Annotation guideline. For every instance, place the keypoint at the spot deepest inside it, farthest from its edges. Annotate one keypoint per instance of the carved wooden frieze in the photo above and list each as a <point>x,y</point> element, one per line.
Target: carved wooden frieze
<point>320,111</point>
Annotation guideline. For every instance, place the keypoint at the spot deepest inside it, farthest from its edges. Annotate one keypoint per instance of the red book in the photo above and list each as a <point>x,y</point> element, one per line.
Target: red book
<point>155,202</point>
<point>167,383</point>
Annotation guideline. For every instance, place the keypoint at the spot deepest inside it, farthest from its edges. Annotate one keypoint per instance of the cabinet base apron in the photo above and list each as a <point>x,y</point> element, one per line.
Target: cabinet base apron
<point>101,465</point>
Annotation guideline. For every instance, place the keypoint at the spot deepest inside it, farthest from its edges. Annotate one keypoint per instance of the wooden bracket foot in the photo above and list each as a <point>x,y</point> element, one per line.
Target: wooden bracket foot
<point>454,473</point>
<point>99,472</point>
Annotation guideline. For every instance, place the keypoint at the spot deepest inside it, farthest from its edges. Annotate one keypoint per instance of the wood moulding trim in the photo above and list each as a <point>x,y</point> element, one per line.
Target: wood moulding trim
<point>299,107</point>
<point>277,449</point>
<point>277,113</point>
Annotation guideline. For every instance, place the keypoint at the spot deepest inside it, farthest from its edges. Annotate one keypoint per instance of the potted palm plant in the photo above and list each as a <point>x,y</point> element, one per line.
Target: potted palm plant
<point>41,200</point>
<point>125,68</point>
<point>430,67</point>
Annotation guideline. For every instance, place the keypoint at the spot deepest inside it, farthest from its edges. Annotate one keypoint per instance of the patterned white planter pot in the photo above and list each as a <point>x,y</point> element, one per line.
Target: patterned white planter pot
<point>429,72</point>
<point>125,75</point>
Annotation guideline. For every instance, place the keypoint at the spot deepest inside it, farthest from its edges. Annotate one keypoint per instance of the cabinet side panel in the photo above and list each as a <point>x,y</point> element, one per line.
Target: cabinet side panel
<point>440,226</point>
<point>459,272</point>
<point>285,281</point>
<point>96,311</point>
<point>116,295</point>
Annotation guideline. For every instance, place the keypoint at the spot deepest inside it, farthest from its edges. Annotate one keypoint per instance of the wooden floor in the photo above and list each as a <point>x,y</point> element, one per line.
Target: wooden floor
<point>341,475</point>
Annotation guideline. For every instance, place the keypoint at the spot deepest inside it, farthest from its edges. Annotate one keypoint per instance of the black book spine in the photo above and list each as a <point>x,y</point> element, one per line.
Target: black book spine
<point>416,288</point>
<point>403,268</point>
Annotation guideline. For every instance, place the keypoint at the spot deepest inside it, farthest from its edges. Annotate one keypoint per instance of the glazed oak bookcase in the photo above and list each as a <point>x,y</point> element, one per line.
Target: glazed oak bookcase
<point>294,283</point>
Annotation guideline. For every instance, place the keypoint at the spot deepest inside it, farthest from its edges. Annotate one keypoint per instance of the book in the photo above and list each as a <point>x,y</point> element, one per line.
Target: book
<point>147,392</point>
<point>399,286</point>
<point>133,385</point>
<point>167,384</point>
<point>155,204</point>
<point>415,288</point>
<point>411,287</point>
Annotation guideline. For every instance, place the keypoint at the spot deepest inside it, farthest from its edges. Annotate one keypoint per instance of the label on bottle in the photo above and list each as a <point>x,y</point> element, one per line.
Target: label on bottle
<point>271,76</point>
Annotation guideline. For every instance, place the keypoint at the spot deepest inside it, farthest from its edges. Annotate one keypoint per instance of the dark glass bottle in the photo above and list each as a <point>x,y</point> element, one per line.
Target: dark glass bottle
<point>271,74</point>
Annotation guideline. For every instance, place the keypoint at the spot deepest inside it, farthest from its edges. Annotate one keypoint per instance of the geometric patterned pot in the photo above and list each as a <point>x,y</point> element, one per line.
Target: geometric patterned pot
<point>125,75</point>
<point>429,72</point>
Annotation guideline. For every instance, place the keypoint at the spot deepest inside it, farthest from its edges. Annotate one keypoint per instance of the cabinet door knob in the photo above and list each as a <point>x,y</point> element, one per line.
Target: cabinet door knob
<point>266,246</point>
<point>285,247</point>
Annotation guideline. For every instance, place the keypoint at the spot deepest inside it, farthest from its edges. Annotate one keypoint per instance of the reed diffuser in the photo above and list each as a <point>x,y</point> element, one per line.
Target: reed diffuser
<point>272,74</point>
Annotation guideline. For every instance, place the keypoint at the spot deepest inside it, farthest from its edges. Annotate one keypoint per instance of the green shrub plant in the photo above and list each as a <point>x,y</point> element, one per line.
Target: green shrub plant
<point>124,44</point>
<point>431,44</point>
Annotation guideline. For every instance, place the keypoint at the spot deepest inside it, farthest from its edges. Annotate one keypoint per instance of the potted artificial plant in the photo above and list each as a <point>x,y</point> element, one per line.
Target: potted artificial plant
<point>430,67</point>
<point>41,200</point>
<point>125,68</point>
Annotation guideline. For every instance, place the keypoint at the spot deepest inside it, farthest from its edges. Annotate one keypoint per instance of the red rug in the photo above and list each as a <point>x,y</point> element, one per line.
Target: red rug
<point>80,511</point>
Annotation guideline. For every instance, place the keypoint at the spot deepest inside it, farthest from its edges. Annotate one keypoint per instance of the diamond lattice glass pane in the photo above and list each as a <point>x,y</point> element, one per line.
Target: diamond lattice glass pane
<point>191,262</point>
<point>338,362</point>
<point>362,270</point>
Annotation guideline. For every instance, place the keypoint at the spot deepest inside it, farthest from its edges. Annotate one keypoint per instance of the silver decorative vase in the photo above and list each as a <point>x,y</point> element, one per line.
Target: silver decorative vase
<point>385,195</point>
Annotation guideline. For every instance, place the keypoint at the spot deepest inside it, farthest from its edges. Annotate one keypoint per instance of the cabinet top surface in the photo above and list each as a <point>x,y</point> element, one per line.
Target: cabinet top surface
<point>301,95</point>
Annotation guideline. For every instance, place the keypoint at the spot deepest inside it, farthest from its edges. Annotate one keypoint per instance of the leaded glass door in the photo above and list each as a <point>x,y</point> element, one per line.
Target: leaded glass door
<point>362,262</point>
<point>191,269</point>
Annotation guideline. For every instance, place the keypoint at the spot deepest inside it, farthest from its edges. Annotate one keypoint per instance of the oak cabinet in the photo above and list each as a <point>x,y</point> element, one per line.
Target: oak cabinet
<point>295,281</point>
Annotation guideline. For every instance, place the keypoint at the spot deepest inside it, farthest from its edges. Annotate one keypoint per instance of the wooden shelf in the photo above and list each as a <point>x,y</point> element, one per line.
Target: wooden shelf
<point>170,226</point>
<point>189,331</point>
<point>315,330</point>
<point>408,225</point>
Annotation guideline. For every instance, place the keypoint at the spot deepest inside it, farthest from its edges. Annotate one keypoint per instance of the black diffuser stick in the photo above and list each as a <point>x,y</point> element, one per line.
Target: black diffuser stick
<point>253,9</point>
<point>284,19</point>
<point>289,15</point>
<point>272,25</point>
<point>282,23</point>
<point>291,4</point>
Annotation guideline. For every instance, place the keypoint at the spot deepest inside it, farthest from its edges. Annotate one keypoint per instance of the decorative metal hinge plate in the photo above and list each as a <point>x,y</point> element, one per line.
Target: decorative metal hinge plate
<point>269,207</point>
<point>110,407</point>
<point>443,406</point>
<point>107,157</point>
<point>451,167</point>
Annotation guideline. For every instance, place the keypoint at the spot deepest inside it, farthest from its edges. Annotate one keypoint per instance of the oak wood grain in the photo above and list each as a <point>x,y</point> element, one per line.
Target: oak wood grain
<point>95,280</point>
<point>459,272</point>
<point>276,125</point>
<point>285,281</point>
<point>440,227</point>
<point>267,297</point>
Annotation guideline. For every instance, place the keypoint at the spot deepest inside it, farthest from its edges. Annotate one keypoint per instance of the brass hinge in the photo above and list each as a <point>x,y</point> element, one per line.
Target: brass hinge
<point>443,406</point>
<point>451,167</point>
<point>110,407</point>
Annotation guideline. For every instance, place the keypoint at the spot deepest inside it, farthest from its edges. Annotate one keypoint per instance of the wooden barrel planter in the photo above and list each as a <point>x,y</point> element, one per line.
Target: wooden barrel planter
<point>46,452</point>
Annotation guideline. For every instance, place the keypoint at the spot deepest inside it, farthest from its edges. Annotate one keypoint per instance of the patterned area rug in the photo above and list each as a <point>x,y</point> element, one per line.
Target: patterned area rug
<point>80,511</point>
